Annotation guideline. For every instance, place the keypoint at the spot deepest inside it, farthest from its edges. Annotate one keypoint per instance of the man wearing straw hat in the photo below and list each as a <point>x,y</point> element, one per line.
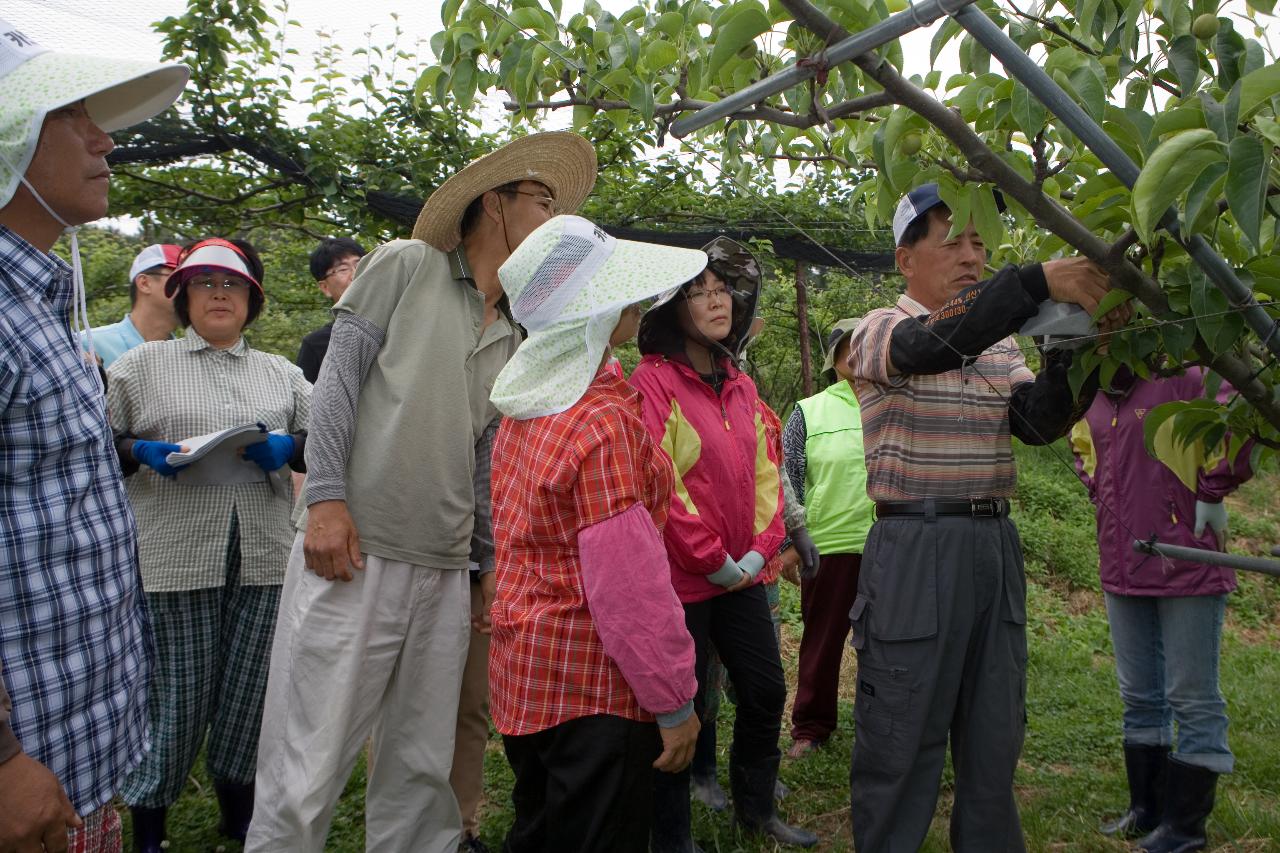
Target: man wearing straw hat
<point>73,636</point>
<point>374,617</point>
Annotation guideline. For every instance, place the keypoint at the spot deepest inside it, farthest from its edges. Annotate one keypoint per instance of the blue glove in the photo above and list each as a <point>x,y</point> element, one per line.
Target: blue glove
<point>153,453</point>
<point>272,453</point>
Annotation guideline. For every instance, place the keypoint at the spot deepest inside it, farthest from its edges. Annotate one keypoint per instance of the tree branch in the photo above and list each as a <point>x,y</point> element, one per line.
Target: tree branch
<point>845,109</point>
<point>1047,212</point>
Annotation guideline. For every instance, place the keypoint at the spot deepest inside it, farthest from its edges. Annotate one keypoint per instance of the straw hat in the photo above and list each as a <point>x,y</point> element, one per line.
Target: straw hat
<point>568,283</point>
<point>564,162</point>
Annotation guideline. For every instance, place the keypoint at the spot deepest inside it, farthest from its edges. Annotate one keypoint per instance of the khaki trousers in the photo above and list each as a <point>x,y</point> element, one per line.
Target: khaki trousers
<point>383,653</point>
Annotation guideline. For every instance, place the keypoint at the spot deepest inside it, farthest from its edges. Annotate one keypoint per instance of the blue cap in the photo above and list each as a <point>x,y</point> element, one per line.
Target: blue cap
<point>914,204</point>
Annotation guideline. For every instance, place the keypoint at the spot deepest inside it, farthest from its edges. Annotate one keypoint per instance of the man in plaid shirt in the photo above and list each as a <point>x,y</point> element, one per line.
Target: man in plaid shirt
<point>73,638</point>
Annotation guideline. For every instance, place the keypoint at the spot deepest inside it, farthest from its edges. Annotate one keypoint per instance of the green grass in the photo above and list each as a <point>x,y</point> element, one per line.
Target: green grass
<point>1071,774</point>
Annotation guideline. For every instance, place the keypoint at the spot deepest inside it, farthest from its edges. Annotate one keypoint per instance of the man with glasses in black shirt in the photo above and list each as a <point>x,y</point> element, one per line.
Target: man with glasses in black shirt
<point>333,265</point>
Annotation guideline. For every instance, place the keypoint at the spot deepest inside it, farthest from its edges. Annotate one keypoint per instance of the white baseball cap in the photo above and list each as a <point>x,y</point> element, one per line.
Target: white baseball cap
<point>155,255</point>
<point>913,205</point>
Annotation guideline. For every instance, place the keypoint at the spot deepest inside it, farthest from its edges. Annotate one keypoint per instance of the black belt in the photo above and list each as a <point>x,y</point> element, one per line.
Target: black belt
<point>974,507</point>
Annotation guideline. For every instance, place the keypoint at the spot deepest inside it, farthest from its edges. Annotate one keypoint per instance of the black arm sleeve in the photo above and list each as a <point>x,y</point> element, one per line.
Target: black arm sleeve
<point>124,449</point>
<point>1043,411</point>
<point>298,461</point>
<point>974,320</point>
<point>311,353</point>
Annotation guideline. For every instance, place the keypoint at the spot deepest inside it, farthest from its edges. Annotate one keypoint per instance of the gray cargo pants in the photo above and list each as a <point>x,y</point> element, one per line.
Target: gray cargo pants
<point>939,625</point>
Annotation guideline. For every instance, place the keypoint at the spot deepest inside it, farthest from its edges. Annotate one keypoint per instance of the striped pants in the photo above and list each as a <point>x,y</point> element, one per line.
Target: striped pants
<point>101,833</point>
<point>213,649</point>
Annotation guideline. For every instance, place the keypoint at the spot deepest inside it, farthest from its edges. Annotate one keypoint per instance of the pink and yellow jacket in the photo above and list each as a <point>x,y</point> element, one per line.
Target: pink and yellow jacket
<point>727,497</point>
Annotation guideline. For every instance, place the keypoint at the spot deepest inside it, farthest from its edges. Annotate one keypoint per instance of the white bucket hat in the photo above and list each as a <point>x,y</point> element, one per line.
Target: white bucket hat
<point>34,81</point>
<point>568,283</point>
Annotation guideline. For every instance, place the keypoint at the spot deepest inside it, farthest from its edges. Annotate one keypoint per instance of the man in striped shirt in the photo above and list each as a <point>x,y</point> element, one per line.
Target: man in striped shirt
<point>939,622</point>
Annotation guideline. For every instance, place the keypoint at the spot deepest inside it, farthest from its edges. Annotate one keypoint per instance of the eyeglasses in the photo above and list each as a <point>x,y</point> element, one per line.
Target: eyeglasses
<point>345,269</point>
<point>702,297</point>
<point>209,284</point>
<point>545,202</point>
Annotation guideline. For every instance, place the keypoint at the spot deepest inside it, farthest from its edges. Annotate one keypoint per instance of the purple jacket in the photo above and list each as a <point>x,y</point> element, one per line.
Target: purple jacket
<point>1152,496</point>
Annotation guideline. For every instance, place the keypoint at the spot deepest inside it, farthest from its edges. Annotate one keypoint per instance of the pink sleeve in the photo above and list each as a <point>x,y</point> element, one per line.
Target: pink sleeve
<point>635,610</point>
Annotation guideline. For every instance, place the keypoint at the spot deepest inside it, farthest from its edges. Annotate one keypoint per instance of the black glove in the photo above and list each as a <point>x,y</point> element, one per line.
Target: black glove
<point>808,553</point>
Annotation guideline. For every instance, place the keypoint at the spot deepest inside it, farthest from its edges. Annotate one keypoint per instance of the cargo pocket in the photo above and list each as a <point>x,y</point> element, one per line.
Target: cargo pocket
<point>858,622</point>
<point>882,712</point>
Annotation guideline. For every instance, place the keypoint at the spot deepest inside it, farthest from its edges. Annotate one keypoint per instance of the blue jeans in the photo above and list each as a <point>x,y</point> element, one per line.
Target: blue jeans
<point>1167,665</point>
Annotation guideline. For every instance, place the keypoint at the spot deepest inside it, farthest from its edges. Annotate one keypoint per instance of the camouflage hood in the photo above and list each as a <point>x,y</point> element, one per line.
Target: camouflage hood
<point>741,271</point>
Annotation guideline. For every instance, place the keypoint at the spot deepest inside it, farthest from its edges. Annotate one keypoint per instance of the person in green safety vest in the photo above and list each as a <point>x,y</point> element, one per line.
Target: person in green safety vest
<point>822,449</point>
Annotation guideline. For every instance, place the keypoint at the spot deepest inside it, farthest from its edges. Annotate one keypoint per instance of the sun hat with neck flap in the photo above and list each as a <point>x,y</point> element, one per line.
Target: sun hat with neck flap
<point>35,81</point>
<point>568,284</point>
<point>563,162</point>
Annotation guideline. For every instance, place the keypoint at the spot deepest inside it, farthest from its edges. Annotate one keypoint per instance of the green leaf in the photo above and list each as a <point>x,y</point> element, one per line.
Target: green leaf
<point>449,11</point>
<point>529,19</point>
<point>1184,56</point>
<point>957,198</point>
<point>1258,88</point>
<point>1187,412</point>
<point>1178,338</point>
<point>670,24</point>
<point>660,55</point>
<point>1246,187</point>
<point>1215,116</point>
<point>1229,50</point>
<point>1091,87</point>
<point>1180,118</point>
<point>1170,169</point>
<point>1028,112</point>
<point>734,35</point>
<point>641,98</point>
<point>1208,304</point>
<point>986,215</point>
<point>1114,299</point>
<point>950,29</point>
<point>582,115</point>
<point>1202,199</point>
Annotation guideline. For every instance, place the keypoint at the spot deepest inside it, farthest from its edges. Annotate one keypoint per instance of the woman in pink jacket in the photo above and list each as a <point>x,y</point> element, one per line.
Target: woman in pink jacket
<point>724,525</point>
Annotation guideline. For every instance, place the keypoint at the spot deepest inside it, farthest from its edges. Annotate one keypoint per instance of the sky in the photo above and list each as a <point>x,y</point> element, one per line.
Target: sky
<point>125,29</point>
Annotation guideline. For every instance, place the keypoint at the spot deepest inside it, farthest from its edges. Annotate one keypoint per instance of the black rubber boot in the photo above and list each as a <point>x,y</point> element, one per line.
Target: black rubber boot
<point>1188,800</point>
<point>753,792</point>
<point>1146,768</point>
<point>235,803</point>
<point>702,772</point>
<point>148,829</point>
<point>669,831</point>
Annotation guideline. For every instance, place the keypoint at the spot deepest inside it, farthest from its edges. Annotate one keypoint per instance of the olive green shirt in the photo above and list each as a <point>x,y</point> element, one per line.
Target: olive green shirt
<point>406,469</point>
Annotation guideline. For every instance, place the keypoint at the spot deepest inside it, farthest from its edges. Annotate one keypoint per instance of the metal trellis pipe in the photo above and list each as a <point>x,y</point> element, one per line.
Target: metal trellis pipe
<point>1025,70</point>
<point>895,26</point>
<point>1213,558</point>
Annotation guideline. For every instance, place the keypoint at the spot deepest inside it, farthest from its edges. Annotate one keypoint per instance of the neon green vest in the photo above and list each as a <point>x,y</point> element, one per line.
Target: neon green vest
<point>838,512</point>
